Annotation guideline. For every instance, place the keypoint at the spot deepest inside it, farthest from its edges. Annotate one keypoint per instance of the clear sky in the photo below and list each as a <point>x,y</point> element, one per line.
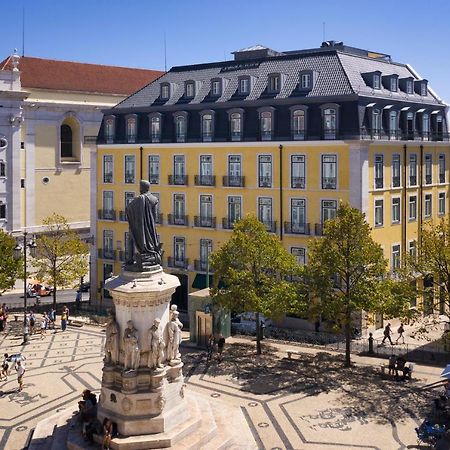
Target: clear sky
<point>131,32</point>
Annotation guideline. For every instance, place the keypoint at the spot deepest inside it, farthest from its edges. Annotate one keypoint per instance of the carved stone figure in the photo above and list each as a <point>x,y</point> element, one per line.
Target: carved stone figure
<point>174,328</point>
<point>141,213</point>
<point>156,345</point>
<point>112,341</point>
<point>131,347</point>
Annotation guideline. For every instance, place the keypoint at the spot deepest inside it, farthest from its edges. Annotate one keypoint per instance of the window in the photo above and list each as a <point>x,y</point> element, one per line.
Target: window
<point>298,172</point>
<point>328,210</point>
<point>376,122</point>
<point>423,89</point>
<point>428,205</point>
<point>216,88</point>
<point>2,211</point>
<point>409,87</point>
<point>128,246</point>
<point>396,210</point>
<point>393,127</point>
<point>234,208</point>
<point>413,169</point>
<point>425,126</point>
<point>274,83</point>
<point>298,215</point>
<point>441,168</point>
<point>108,244</point>
<point>236,126</point>
<point>207,127</point>
<point>329,171</point>
<point>108,205</point>
<point>244,86</point>
<point>109,129</point>
<point>179,210</point>
<point>130,169</point>
<point>108,169</point>
<point>129,196</point>
<point>190,90</point>
<point>379,214</point>
<point>298,125</point>
<point>179,169</point>
<point>393,84</point>
<point>395,257</point>
<point>180,128</point>
<point>441,203</point>
<point>376,81</point>
<point>234,170</point>
<point>66,141</point>
<point>205,251</point>
<point>379,168</point>
<point>206,170</point>
<point>108,271</point>
<point>412,207</point>
<point>179,249</point>
<point>329,123</point>
<point>395,171</point>
<point>300,255</point>
<point>428,168</point>
<point>165,91</point>
<point>305,81</point>
<point>131,129</point>
<point>155,128</point>
<point>412,249</point>
<point>153,169</point>
<point>265,212</point>
<point>265,120</point>
<point>265,170</point>
<point>206,211</point>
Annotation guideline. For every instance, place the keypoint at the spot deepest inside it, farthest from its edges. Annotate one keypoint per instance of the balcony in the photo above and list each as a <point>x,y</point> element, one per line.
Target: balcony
<point>395,182</point>
<point>328,182</point>
<point>271,226</point>
<point>298,182</point>
<point>404,135</point>
<point>233,181</point>
<point>175,219</point>
<point>108,177</point>
<point>428,179</point>
<point>205,180</point>
<point>413,180</point>
<point>205,222</point>
<point>177,263</point>
<point>107,214</point>
<point>207,136</point>
<point>201,266</point>
<point>227,223</point>
<point>236,136</point>
<point>159,218</point>
<point>122,216</point>
<point>442,178</point>
<point>318,229</point>
<point>297,228</point>
<point>178,180</point>
<point>265,181</point>
<point>153,179</point>
<point>130,177</point>
<point>378,182</point>
<point>106,253</point>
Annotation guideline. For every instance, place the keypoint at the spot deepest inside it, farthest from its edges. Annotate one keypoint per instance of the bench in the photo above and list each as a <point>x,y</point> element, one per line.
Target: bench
<point>293,351</point>
<point>384,370</point>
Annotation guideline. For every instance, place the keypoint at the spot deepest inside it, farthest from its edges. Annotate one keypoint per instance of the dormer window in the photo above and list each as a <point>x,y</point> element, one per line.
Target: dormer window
<point>180,126</point>
<point>216,88</point>
<point>155,127</point>
<point>420,87</point>
<point>244,86</point>
<point>376,81</point>
<point>165,91</point>
<point>236,117</point>
<point>131,129</point>
<point>305,81</point>
<point>409,87</point>
<point>207,123</point>
<point>423,89</point>
<point>266,123</point>
<point>393,84</point>
<point>109,129</point>
<point>298,125</point>
<point>190,89</point>
<point>274,83</point>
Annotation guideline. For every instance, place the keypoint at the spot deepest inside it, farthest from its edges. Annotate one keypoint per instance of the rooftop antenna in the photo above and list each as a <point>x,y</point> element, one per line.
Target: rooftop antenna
<point>165,53</point>
<point>323,31</point>
<point>23,30</point>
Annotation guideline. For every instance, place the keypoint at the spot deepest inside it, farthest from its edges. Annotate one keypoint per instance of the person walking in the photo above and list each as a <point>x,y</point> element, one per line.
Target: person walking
<point>52,319</point>
<point>63,321</point>
<point>32,322</point>
<point>220,347</point>
<point>400,332</point>
<point>44,322</point>
<point>210,348</point>
<point>5,367</point>
<point>387,334</point>
<point>78,299</point>
<point>20,368</point>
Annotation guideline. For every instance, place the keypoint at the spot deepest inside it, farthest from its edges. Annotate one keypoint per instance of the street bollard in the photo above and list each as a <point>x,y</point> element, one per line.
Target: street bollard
<point>371,352</point>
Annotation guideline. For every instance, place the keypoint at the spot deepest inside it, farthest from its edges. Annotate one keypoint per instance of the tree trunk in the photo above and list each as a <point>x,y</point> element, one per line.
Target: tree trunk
<point>258,334</point>
<point>347,339</point>
<point>54,298</point>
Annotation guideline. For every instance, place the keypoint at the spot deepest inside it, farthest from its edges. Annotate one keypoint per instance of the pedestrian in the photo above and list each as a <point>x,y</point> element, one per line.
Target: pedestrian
<point>107,433</point>
<point>78,299</point>
<point>210,348</point>
<point>32,322</point>
<point>52,319</point>
<point>5,367</point>
<point>63,321</point>
<point>391,364</point>
<point>44,325</point>
<point>220,346</point>
<point>66,311</point>
<point>5,315</point>
<point>20,368</point>
<point>387,334</point>
<point>400,332</point>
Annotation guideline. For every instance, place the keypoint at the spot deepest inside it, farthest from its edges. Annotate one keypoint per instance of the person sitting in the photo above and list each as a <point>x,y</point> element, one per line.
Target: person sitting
<point>87,409</point>
<point>107,433</point>
<point>400,366</point>
<point>391,364</point>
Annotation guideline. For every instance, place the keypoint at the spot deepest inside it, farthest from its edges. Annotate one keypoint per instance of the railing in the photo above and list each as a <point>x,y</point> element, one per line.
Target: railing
<point>379,183</point>
<point>413,180</point>
<point>265,181</point>
<point>205,180</point>
<point>153,179</point>
<point>159,218</point>
<point>106,253</point>
<point>318,229</point>
<point>107,214</point>
<point>407,135</point>
<point>130,178</point>
<point>182,264</point>
<point>428,179</point>
<point>296,228</point>
<point>108,178</point>
<point>236,136</point>
<point>442,178</point>
<point>271,226</point>
<point>298,182</point>
<point>174,219</point>
<point>131,138</point>
<point>207,137</point>
<point>201,266</point>
<point>328,182</point>
<point>233,181</point>
<point>395,182</point>
<point>202,221</point>
<point>180,180</point>
<point>266,135</point>
<point>227,224</point>
<point>122,216</point>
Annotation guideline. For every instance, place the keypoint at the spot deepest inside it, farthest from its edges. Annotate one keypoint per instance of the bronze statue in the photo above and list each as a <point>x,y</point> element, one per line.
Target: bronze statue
<point>141,214</point>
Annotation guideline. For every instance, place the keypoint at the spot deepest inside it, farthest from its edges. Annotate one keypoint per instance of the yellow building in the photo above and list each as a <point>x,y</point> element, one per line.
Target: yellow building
<point>283,135</point>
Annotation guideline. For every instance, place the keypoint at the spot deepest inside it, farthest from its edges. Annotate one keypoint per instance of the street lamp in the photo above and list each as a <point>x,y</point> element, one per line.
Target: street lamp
<point>21,251</point>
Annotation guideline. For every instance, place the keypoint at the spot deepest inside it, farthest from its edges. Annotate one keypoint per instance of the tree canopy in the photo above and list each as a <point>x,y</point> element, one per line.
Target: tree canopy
<point>10,268</point>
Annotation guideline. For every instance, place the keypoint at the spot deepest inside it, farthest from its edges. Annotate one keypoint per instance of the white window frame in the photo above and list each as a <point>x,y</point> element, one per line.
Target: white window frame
<point>264,180</point>
<point>428,205</point>
<point>298,181</point>
<point>396,170</point>
<point>154,162</point>
<point>412,208</point>
<point>334,164</point>
<point>300,255</point>
<point>378,205</point>
<point>396,204</point>
<point>126,158</point>
<point>104,167</point>
<point>441,203</point>
<point>395,257</point>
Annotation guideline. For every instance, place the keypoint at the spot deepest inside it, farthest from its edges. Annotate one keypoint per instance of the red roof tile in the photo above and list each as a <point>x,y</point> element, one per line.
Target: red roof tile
<point>74,76</point>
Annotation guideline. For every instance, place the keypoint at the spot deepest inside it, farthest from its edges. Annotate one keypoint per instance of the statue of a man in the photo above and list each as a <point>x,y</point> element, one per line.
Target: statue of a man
<point>112,341</point>
<point>156,345</point>
<point>141,213</point>
<point>174,328</point>
<point>131,347</point>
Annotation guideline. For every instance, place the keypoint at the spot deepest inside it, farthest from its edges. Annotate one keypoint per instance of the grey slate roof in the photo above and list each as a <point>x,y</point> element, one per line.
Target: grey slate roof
<point>338,74</point>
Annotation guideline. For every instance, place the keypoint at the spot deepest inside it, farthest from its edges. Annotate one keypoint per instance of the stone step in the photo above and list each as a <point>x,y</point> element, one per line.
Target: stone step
<point>62,429</point>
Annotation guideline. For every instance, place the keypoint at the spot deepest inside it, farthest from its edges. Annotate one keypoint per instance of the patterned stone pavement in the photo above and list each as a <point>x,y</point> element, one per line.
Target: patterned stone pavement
<point>305,403</point>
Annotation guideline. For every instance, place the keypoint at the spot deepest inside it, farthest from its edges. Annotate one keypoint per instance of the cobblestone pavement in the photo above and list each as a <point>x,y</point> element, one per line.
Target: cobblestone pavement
<point>309,402</point>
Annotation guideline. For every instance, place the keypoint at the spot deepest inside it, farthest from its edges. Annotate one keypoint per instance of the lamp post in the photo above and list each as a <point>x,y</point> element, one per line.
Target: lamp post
<point>21,251</point>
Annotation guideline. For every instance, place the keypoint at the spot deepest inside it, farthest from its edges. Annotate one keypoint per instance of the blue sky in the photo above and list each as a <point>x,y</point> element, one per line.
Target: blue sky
<point>131,32</point>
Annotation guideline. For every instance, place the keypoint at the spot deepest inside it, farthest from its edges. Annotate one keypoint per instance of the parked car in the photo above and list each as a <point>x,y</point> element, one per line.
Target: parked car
<point>246,322</point>
<point>37,288</point>
<point>85,287</point>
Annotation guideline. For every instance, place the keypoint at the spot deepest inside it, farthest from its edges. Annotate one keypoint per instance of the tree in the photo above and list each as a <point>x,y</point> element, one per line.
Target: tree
<point>61,255</point>
<point>348,273</point>
<point>10,268</point>
<point>255,274</point>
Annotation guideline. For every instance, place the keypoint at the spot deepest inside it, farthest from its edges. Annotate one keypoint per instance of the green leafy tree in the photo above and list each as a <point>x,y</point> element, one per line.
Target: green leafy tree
<point>10,268</point>
<point>348,273</point>
<point>255,273</point>
<point>61,255</point>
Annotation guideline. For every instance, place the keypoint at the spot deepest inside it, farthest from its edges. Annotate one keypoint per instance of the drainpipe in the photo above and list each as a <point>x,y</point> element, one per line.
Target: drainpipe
<point>141,149</point>
<point>405,204</point>
<point>280,147</point>
<point>420,199</point>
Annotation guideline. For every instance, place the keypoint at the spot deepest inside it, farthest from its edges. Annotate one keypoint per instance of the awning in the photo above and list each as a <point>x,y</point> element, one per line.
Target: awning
<point>370,105</point>
<point>388,106</point>
<point>436,112</point>
<point>421,110</point>
<point>200,281</point>
<point>405,108</point>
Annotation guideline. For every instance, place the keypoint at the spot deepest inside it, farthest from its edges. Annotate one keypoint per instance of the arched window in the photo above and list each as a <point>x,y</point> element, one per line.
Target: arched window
<point>329,123</point>
<point>298,124</point>
<point>109,130</point>
<point>266,125</point>
<point>207,127</point>
<point>376,123</point>
<point>155,126</point>
<point>425,126</point>
<point>180,128</point>
<point>131,129</point>
<point>66,141</point>
<point>236,126</point>
<point>393,124</point>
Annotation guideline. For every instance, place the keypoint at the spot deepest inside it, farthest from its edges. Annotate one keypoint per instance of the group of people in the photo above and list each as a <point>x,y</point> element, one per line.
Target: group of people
<point>387,334</point>
<point>396,365</point>
<point>47,322</point>
<point>215,345</point>
<point>10,362</point>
